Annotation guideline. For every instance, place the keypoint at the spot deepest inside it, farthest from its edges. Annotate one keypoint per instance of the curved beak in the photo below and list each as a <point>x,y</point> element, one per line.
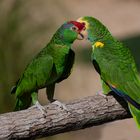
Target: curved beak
<point>83,34</point>
<point>80,36</point>
<point>81,29</point>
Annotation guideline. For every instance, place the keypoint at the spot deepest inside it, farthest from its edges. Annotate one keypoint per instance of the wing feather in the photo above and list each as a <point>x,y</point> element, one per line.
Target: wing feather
<point>36,74</point>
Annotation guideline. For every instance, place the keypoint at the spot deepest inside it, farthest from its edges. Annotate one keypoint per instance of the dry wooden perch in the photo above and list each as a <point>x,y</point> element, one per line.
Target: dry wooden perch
<point>89,111</point>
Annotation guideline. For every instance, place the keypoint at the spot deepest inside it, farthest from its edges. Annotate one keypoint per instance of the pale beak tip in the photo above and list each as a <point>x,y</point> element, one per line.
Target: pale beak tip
<point>80,36</point>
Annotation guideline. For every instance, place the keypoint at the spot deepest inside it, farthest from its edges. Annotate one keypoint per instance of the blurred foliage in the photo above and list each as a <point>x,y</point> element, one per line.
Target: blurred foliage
<point>11,45</point>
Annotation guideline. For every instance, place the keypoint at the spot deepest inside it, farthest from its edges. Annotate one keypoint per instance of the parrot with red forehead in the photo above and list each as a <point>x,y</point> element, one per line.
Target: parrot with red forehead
<point>115,64</point>
<point>51,65</point>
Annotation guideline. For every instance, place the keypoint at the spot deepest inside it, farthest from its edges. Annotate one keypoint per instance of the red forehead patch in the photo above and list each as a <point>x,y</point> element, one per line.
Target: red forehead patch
<point>79,25</point>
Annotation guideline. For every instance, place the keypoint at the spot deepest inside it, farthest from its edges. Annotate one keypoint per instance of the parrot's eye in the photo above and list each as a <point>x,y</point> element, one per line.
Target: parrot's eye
<point>74,28</point>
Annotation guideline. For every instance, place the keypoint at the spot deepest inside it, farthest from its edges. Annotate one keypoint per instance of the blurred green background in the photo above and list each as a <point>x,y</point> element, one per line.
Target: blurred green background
<point>27,25</point>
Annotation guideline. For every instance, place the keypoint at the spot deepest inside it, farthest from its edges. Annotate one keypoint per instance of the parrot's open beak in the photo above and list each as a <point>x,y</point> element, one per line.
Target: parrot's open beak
<point>79,28</point>
<point>80,36</point>
<point>83,33</point>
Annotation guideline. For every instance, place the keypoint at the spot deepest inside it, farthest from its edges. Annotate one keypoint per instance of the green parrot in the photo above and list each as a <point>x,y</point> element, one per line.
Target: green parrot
<point>50,66</point>
<point>115,64</point>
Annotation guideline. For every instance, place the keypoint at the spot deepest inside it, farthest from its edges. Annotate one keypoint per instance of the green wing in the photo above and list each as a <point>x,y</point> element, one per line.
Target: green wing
<point>69,61</point>
<point>118,69</point>
<point>105,87</point>
<point>68,64</point>
<point>36,75</point>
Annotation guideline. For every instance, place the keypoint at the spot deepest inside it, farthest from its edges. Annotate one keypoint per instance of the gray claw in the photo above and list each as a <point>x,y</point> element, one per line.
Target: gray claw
<point>41,108</point>
<point>60,105</point>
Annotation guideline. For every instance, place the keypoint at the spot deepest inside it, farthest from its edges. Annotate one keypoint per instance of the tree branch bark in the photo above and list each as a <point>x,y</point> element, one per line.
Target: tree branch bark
<point>86,112</point>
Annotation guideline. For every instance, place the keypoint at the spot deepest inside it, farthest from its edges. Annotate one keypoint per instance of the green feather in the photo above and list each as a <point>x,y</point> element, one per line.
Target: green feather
<point>117,65</point>
<point>46,68</point>
<point>136,114</point>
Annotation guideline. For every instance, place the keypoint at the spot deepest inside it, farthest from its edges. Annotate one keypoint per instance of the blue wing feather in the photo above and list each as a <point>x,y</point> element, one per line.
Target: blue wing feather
<point>125,96</point>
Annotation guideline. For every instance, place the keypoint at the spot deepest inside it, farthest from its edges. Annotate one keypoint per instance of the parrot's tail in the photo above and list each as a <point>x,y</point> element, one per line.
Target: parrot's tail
<point>135,113</point>
<point>22,103</point>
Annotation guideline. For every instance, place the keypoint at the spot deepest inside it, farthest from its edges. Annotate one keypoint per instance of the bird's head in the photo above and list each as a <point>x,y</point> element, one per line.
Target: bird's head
<point>88,26</point>
<point>70,31</point>
<point>94,29</point>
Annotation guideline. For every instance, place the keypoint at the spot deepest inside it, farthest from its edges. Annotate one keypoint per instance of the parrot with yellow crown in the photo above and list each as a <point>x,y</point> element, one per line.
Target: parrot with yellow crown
<point>115,64</point>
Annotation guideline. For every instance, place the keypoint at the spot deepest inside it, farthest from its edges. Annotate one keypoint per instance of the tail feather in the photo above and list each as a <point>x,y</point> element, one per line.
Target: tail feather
<point>135,113</point>
<point>22,103</point>
<point>17,106</point>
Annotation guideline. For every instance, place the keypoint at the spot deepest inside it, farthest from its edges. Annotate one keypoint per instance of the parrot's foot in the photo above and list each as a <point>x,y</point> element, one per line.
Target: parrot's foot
<point>41,108</point>
<point>101,93</point>
<point>60,105</point>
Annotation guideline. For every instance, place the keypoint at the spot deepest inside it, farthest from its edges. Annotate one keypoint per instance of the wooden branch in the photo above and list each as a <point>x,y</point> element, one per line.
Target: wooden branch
<point>89,111</point>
